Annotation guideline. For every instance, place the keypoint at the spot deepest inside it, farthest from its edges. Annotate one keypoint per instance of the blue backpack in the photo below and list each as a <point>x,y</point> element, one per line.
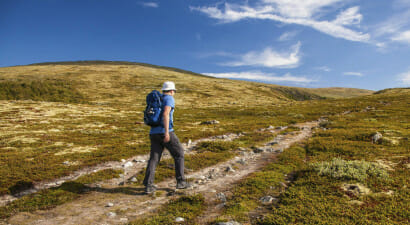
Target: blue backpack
<point>153,111</point>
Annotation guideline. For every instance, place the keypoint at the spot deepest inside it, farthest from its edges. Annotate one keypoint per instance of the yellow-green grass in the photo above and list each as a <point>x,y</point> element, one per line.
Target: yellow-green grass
<point>339,92</point>
<point>187,207</point>
<point>37,137</point>
<point>316,197</point>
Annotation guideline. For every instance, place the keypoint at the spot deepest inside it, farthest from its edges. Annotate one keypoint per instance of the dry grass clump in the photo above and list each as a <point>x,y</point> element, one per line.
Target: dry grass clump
<point>352,170</point>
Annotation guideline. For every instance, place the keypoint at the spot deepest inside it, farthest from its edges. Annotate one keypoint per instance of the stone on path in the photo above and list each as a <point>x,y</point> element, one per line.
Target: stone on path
<point>228,223</point>
<point>221,196</point>
<point>110,204</point>
<point>112,214</point>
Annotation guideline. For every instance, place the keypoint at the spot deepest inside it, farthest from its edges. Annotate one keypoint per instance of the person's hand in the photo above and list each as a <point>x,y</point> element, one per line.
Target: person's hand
<point>166,138</point>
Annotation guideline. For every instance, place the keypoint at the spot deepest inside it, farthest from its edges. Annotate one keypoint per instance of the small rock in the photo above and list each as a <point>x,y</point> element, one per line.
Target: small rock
<point>128,164</point>
<point>271,127</point>
<point>139,160</point>
<point>283,185</point>
<point>110,204</point>
<point>258,150</point>
<point>189,143</point>
<point>124,219</point>
<point>66,163</point>
<point>242,149</point>
<point>210,122</point>
<point>221,196</point>
<point>179,219</point>
<point>123,160</point>
<point>273,143</point>
<point>356,189</point>
<point>228,223</point>
<point>134,179</point>
<point>242,161</point>
<point>376,137</point>
<point>112,214</point>
<point>229,169</point>
<point>266,200</point>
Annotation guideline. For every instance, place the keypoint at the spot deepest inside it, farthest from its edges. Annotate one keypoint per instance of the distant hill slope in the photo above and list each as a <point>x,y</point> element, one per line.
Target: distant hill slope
<point>117,82</point>
<point>339,92</point>
<point>393,91</point>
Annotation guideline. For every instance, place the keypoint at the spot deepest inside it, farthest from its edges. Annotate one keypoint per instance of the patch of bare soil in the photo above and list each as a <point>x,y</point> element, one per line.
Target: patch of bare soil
<point>109,203</point>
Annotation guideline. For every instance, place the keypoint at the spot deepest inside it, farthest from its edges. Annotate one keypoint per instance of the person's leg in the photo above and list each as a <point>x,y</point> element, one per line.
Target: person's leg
<point>177,152</point>
<point>155,156</point>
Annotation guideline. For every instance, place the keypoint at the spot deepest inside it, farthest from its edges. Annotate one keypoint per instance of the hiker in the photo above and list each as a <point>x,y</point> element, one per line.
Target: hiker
<point>163,136</point>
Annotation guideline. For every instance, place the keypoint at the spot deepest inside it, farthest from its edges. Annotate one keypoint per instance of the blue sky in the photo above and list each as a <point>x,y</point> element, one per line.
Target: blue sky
<point>307,43</point>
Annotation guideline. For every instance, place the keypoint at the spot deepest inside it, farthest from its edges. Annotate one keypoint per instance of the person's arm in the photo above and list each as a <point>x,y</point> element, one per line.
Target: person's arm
<point>167,110</point>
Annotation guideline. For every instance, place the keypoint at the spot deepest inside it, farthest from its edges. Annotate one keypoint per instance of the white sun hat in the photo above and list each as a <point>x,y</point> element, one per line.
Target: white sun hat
<point>168,86</point>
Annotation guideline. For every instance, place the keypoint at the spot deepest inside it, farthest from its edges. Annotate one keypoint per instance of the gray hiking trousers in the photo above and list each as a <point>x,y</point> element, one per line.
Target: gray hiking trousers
<point>157,147</point>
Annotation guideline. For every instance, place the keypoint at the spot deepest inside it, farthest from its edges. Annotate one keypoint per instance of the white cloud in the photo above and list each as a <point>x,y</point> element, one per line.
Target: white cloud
<point>358,74</point>
<point>402,37</point>
<point>404,78</point>
<point>287,36</point>
<point>324,68</point>
<point>300,8</point>
<point>300,12</point>
<point>351,16</point>
<point>260,76</point>
<point>150,4</point>
<point>269,58</point>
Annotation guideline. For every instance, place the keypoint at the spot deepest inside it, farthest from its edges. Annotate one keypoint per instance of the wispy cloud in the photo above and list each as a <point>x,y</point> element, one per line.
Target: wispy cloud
<point>404,78</point>
<point>324,68</point>
<point>300,12</point>
<point>403,37</point>
<point>149,4</point>
<point>397,27</point>
<point>260,76</point>
<point>269,58</point>
<point>358,74</point>
<point>288,36</point>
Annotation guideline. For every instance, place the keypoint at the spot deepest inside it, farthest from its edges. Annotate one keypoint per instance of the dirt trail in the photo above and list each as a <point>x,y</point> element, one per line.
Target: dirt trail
<point>130,203</point>
<point>137,163</point>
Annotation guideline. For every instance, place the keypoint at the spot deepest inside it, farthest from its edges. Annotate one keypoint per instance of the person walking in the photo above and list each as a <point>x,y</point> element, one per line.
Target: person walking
<point>163,136</point>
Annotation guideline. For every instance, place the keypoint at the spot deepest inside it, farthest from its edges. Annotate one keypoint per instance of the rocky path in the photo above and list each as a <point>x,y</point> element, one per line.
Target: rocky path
<point>129,166</point>
<point>109,203</point>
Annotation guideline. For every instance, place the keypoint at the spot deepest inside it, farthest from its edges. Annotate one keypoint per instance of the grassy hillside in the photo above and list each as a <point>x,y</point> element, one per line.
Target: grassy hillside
<point>339,92</point>
<point>58,118</point>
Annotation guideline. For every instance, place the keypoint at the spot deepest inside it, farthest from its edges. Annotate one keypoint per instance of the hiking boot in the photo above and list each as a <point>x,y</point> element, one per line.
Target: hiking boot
<point>183,185</point>
<point>150,189</point>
